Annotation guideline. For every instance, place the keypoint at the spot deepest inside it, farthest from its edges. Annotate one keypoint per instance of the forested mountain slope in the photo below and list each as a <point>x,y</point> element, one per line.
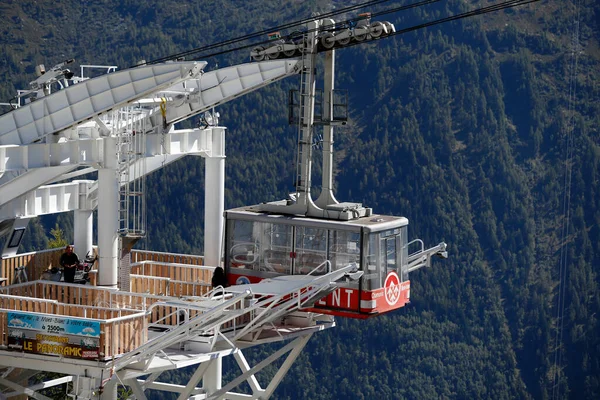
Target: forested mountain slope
<point>463,128</point>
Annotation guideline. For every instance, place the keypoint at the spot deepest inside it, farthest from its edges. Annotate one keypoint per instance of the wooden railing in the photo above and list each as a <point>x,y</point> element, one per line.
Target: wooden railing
<point>145,255</point>
<point>173,271</point>
<point>123,316</point>
<point>121,330</point>
<point>167,287</point>
<point>35,264</point>
<point>61,292</point>
<point>186,288</point>
<point>27,304</point>
<point>149,284</point>
<point>122,335</point>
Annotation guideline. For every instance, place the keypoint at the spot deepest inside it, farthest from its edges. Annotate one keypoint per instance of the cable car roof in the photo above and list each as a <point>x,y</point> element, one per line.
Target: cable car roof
<point>373,223</point>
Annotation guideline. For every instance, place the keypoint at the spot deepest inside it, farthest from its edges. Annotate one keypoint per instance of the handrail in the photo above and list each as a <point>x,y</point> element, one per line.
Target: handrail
<point>166,253</point>
<point>158,278</point>
<point>326,262</point>
<point>10,296</point>
<point>166,264</point>
<point>174,335</point>
<point>423,258</point>
<point>416,253</point>
<point>32,253</point>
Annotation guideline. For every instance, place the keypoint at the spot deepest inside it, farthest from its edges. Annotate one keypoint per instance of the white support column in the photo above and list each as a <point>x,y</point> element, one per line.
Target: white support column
<point>213,377</point>
<point>214,199</point>
<point>108,214</point>
<point>110,390</point>
<point>307,99</point>
<point>326,197</point>
<point>82,232</point>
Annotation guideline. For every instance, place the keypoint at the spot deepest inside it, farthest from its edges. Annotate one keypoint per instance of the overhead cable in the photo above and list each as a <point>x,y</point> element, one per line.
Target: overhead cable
<point>248,46</point>
<point>266,31</point>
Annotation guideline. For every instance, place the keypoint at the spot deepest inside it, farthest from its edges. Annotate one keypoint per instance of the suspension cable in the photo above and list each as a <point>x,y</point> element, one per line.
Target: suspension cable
<point>265,31</point>
<point>248,46</point>
<point>472,13</point>
<point>566,212</point>
<point>479,11</point>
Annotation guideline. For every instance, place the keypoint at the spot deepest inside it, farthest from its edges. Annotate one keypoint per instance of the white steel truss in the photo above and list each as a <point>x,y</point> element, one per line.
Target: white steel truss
<point>201,340</point>
<point>24,197</point>
<point>76,103</point>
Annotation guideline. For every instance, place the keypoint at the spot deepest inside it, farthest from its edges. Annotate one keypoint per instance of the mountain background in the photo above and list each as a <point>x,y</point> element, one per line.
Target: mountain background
<point>483,132</point>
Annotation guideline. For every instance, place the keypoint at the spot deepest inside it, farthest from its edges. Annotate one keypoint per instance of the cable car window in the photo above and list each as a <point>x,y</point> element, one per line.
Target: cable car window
<point>373,271</point>
<point>344,249</point>
<point>243,244</point>
<point>278,251</point>
<point>402,254</point>
<point>311,250</point>
<point>391,256</point>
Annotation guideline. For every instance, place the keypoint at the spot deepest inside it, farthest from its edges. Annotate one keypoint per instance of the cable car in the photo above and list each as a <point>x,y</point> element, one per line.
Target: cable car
<point>261,245</point>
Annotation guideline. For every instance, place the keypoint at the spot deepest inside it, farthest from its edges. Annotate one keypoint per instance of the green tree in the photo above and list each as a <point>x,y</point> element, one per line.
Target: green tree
<point>58,238</point>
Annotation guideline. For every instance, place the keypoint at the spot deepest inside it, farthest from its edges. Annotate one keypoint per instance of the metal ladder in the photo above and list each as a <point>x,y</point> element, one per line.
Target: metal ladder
<point>131,147</point>
<point>306,115</point>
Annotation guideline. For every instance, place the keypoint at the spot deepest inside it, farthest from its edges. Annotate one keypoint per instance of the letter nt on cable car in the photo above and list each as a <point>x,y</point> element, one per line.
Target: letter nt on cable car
<point>261,245</point>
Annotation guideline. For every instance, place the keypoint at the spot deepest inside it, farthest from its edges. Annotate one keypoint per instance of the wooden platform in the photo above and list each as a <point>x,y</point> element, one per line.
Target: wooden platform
<point>84,321</point>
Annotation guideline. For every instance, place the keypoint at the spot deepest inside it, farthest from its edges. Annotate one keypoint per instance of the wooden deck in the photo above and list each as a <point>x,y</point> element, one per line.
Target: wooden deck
<point>123,318</point>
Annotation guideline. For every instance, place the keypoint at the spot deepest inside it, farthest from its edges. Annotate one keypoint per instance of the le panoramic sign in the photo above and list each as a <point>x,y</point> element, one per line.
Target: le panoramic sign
<point>53,335</point>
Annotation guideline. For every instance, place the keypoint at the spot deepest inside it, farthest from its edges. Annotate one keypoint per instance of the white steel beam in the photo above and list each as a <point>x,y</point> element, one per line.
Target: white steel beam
<point>244,367</point>
<point>29,181</point>
<point>300,343</point>
<point>136,388</point>
<point>220,86</point>
<point>214,200</point>
<point>52,364</point>
<point>91,151</point>
<point>83,226</point>
<point>327,197</point>
<point>42,155</point>
<point>79,102</point>
<point>51,199</point>
<point>195,378</point>
<point>50,383</point>
<point>40,200</point>
<point>23,390</point>
<point>108,215</point>
<point>223,392</point>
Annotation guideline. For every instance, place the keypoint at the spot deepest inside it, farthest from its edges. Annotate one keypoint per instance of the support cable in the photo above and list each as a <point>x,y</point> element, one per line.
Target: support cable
<point>349,21</point>
<point>566,212</point>
<point>480,11</point>
<point>266,31</point>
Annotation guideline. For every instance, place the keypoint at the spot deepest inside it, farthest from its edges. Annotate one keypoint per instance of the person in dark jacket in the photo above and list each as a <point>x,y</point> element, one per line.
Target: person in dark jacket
<point>69,262</point>
<point>218,278</point>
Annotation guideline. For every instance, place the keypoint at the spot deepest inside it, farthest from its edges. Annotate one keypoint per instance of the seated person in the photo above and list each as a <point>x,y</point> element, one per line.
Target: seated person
<point>69,262</point>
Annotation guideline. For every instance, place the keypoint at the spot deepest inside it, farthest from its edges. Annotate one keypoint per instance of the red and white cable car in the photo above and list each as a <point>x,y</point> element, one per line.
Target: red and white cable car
<point>262,245</point>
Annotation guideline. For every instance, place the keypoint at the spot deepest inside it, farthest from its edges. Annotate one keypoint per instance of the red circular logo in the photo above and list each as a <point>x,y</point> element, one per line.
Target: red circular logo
<point>392,288</point>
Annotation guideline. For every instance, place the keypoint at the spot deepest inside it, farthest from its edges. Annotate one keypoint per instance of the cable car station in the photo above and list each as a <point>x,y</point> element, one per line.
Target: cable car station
<point>292,265</point>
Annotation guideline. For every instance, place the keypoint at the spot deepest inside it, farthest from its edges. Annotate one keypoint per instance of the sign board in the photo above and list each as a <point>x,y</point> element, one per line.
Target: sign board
<point>53,335</point>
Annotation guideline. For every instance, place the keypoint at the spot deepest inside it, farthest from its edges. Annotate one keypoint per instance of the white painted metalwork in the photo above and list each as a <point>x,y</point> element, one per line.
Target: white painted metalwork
<point>301,202</point>
<point>327,197</point>
<point>122,125</point>
<point>70,106</point>
<point>131,152</point>
<point>24,197</point>
<point>216,87</point>
<point>108,213</point>
<point>214,200</point>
